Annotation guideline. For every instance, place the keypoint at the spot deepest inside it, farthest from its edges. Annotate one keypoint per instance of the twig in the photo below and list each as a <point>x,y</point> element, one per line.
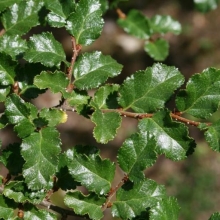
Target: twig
<point>121,14</point>
<point>2,32</point>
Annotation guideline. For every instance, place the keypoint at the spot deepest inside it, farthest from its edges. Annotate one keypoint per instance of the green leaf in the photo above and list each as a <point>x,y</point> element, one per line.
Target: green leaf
<point>12,160</point>
<point>7,207</point>
<point>3,120</point>
<point>163,24</point>
<point>107,125</point>
<point>86,23</point>
<point>93,69</point>
<point>42,46</point>
<point>215,216</point>
<point>16,110</point>
<point>171,137</point>
<point>147,91</point>
<point>136,154</point>
<point>134,198</point>
<point>7,70</point>
<point>114,3</point>
<point>56,81</point>
<point>55,20</point>
<point>136,24</point>
<point>202,94</point>
<point>82,205</point>
<point>24,128</point>
<point>18,191</point>
<point>77,98</point>
<point>40,151</point>
<point>206,5</point>
<point>105,97</point>
<point>167,208</point>
<point>6,3</point>
<point>53,116</point>
<point>27,16</point>
<point>12,45</point>
<point>4,91</point>
<point>84,165</point>
<point>158,49</point>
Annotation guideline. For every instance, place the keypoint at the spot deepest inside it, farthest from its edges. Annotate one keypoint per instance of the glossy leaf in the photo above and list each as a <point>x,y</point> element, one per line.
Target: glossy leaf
<point>148,90</point>
<point>107,125</point>
<point>171,137</point>
<point>136,24</point>
<point>84,165</point>
<point>136,154</point>
<point>82,205</point>
<point>134,198</point>
<point>6,3</point>
<point>163,24</point>
<point>202,94</point>
<point>158,49</point>
<point>40,151</point>
<point>26,17</point>
<point>42,46</point>
<point>215,216</point>
<point>7,207</point>
<point>93,69</point>
<point>86,23</point>
<point>206,5</point>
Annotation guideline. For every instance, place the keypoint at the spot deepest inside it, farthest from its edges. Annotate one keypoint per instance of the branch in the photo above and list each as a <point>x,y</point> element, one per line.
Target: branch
<point>2,32</point>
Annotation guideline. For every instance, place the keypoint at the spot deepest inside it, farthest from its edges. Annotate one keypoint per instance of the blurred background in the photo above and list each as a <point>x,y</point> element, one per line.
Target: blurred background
<point>195,181</point>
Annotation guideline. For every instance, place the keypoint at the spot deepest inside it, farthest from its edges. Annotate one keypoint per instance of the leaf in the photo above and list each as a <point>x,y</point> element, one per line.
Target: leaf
<point>86,23</point>
<point>167,208</point>
<point>93,69</point>
<point>136,154</point>
<point>12,45</point>
<point>147,91</point>
<point>42,46</point>
<point>206,5</point>
<point>40,151</point>
<point>105,97</point>
<point>7,70</point>
<point>6,3</point>
<point>12,160</point>
<point>55,20</point>
<point>202,94</point>
<point>84,165</point>
<point>77,98</point>
<point>24,128</point>
<point>4,91</point>
<point>82,205</point>
<point>136,24</point>
<point>107,125</point>
<point>53,116</point>
<point>3,121</point>
<point>7,207</point>
<point>27,16</point>
<point>215,216</point>
<point>158,50</point>
<point>163,24</point>
<point>171,137</point>
<point>56,81</point>
<point>134,198</point>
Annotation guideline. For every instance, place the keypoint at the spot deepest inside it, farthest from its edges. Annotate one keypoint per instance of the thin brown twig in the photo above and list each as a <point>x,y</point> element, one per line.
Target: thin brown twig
<point>121,14</point>
<point>2,32</point>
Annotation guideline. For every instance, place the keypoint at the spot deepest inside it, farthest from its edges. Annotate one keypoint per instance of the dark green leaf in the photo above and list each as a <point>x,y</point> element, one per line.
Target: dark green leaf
<point>93,69</point>
<point>42,46</point>
<point>7,207</point>
<point>86,23</point>
<point>24,128</point>
<point>136,154</point>
<point>4,91</point>
<point>104,5</point>
<point>26,17</point>
<point>215,216</point>
<point>147,91</point>
<point>114,3</point>
<point>55,20</point>
<point>171,137</point>
<point>158,49</point>
<point>82,205</point>
<point>40,151</point>
<point>206,5</point>
<point>6,3</point>
<point>107,125</point>
<point>3,120</point>
<point>87,167</point>
<point>163,24</point>
<point>136,24</point>
<point>202,95</point>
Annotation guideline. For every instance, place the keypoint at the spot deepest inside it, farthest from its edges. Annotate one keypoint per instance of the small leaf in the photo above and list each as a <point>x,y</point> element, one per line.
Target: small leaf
<point>163,24</point>
<point>136,24</point>
<point>202,94</point>
<point>136,154</point>
<point>6,3</point>
<point>82,205</point>
<point>107,125</point>
<point>4,91</point>
<point>158,50</point>
<point>3,120</point>
<point>93,69</point>
<point>40,151</point>
<point>147,91</point>
<point>7,207</point>
<point>56,81</point>
<point>215,216</point>
<point>24,128</point>
<point>55,20</point>
<point>171,137</point>
<point>84,165</point>
<point>86,23</point>
<point>206,5</point>
<point>27,16</point>
<point>42,46</point>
